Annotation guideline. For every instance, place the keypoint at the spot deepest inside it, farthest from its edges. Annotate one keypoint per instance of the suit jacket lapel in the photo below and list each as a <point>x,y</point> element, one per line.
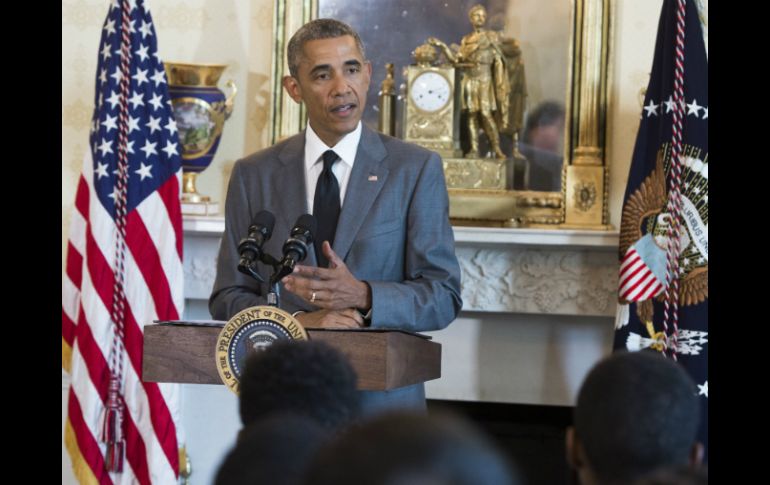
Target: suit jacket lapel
<point>366,180</point>
<point>288,187</point>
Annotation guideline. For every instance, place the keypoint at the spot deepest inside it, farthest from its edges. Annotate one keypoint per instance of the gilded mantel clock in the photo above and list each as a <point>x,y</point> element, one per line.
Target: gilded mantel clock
<point>431,117</point>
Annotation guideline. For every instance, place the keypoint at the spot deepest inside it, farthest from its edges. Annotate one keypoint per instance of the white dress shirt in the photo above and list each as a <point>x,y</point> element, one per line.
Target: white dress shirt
<point>346,149</point>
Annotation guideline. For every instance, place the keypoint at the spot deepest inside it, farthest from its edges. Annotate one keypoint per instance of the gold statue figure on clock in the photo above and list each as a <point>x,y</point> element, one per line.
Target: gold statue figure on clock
<point>485,87</point>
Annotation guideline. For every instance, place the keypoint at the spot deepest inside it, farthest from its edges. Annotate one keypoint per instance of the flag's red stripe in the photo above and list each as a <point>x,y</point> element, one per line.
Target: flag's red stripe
<point>74,265</point>
<point>81,197</point>
<point>148,261</point>
<point>67,329</point>
<point>653,281</point>
<point>92,356</point>
<point>632,274</point>
<point>102,276</point>
<point>632,288</point>
<point>169,193</point>
<point>89,448</point>
<point>160,416</point>
<point>136,452</point>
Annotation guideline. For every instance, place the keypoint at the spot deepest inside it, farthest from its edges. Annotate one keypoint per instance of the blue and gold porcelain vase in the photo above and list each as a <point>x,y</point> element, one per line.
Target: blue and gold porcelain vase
<point>200,109</point>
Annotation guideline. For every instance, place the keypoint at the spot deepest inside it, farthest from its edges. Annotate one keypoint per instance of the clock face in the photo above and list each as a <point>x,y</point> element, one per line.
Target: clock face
<point>430,91</point>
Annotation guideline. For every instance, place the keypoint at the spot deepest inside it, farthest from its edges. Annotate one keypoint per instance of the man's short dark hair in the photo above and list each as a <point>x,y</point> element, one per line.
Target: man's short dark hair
<point>545,114</point>
<point>402,448</point>
<point>309,378</point>
<point>315,30</point>
<point>273,450</point>
<point>636,411</point>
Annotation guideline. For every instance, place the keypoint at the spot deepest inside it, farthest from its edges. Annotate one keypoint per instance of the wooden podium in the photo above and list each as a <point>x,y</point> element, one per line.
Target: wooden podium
<point>383,359</point>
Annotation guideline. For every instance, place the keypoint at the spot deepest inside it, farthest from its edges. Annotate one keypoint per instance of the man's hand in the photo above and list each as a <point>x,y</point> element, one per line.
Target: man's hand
<point>348,318</point>
<point>334,288</point>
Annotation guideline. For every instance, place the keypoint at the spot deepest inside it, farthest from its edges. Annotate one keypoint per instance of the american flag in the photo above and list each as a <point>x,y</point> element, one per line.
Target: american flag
<point>124,264</point>
<point>664,248</point>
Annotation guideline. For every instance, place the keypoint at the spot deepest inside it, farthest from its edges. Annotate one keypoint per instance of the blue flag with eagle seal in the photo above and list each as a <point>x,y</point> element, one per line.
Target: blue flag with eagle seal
<point>644,223</point>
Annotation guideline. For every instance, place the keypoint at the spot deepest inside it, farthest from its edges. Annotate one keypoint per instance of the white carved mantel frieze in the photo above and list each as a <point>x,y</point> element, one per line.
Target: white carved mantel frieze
<point>547,271</point>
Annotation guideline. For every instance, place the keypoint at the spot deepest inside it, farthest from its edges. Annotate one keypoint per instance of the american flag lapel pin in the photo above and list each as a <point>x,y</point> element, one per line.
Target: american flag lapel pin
<point>372,178</point>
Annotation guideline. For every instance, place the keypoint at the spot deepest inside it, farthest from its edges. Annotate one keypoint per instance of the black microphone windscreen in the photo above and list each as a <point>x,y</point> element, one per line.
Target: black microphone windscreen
<point>265,219</point>
<point>307,221</point>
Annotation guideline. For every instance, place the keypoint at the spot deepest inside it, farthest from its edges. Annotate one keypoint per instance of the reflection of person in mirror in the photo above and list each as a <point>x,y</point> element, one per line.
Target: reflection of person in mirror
<point>542,146</point>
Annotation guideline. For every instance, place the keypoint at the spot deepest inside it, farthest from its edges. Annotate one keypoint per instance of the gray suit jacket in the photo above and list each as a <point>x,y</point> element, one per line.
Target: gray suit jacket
<point>393,232</point>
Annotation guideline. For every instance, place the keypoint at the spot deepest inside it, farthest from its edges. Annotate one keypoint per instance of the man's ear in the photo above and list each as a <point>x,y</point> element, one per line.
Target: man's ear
<point>571,448</point>
<point>696,455</point>
<point>293,88</point>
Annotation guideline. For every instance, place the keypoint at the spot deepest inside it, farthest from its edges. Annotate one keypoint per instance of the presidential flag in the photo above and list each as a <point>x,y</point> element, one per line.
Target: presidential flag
<point>664,225</point>
<point>124,264</point>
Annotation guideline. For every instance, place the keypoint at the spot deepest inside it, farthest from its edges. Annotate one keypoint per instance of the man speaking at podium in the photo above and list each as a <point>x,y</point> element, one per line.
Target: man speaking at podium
<point>384,248</point>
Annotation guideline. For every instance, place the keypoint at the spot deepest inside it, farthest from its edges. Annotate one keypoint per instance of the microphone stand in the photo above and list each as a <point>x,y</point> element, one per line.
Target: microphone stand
<point>274,294</point>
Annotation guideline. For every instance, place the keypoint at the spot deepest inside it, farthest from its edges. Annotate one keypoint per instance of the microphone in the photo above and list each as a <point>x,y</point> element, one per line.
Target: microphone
<point>250,247</point>
<point>295,248</point>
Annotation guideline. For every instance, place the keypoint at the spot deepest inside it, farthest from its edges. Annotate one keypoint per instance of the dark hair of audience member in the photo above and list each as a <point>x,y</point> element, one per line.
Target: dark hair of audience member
<point>309,378</point>
<point>273,450</point>
<point>636,412</point>
<point>410,449</point>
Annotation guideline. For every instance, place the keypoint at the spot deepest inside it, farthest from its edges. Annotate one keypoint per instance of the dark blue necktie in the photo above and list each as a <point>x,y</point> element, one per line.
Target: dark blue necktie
<point>326,206</point>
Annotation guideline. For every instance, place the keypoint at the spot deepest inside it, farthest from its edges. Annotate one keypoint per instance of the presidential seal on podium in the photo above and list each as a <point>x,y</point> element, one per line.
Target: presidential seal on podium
<point>250,331</point>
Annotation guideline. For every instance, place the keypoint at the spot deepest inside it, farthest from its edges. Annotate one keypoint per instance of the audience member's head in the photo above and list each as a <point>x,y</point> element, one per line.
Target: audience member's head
<point>274,451</point>
<point>410,449</point>
<point>309,378</point>
<point>636,412</point>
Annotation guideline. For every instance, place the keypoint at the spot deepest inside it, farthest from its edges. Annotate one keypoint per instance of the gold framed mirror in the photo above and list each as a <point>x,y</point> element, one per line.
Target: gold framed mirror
<point>564,47</point>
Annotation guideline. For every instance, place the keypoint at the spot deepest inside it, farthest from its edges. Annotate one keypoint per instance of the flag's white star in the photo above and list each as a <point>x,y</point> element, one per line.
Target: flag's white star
<point>105,147</point>
<point>693,108</point>
<point>103,76</point>
<point>149,149</point>
<point>145,29</point>
<point>156,101</point>
<point>651,109</point>
<point>153,124</point>
<point>669,104</point>
<point>701,260</point>
<point>705,113</point>
<point>140,76</point>
<point>142,52</point>
<point>170,149</point>
<point>159,77</point>
<point>136,99</point>
<point>101,170</point>
<point>171,126</point>
<point>703,390</point>
<point>114,99</point>
<point>109,122</point>
<point>117,75</point>
<point>696,190</point>
<point>106,52</point>
<point>115,193</point>
<point>130,148</point>
<point>144,170</point>
<point>110,27</point>
<point>133,124</point>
